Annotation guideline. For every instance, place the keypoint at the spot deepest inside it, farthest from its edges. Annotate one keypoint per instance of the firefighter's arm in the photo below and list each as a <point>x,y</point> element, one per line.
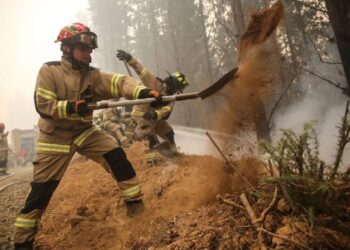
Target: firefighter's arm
<point>116,85</point>
<point>49,106</point>
<point>160,113</point>
<point>147,77</point>
<point>164,112</point>
<point>45,98</point>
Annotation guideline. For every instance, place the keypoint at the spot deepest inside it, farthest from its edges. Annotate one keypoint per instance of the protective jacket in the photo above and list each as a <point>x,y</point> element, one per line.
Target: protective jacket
<point>62,135</point>
<point>57,83</point>
<point>150,81</point>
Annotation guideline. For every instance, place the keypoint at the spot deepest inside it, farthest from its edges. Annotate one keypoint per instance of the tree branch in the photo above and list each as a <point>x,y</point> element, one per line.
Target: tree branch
<point>345,90</point>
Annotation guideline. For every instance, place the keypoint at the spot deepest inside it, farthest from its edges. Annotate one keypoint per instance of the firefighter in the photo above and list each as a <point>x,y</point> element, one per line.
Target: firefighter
<point>129,124</point>
<point>62,93</point>
<point>3,150</point>
<point>152,120</point>
<point>111,122</point>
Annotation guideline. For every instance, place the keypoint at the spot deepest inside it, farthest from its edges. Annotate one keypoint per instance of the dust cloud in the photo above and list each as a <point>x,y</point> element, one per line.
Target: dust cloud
<point>254,84</point>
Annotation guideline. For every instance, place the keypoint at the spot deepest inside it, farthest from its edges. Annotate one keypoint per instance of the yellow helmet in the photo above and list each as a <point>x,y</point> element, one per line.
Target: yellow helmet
<point>176,82</point>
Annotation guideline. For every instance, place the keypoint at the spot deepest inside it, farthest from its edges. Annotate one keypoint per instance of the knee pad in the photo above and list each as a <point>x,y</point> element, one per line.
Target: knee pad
<point>39,196</point>
<point>119,164</point>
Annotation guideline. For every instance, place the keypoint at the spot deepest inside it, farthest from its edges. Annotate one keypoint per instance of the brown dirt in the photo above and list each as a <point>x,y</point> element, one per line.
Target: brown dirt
<point>182,210</point>
<point>256,78</point>
<point>87,208</point>
<point>86,211</point>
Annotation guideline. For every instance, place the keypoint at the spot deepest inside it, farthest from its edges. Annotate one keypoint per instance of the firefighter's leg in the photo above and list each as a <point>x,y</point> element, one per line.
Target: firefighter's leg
<point>47,173</point>
<point>166,132</point>
<point>120,134</point>
<point>104,150</point>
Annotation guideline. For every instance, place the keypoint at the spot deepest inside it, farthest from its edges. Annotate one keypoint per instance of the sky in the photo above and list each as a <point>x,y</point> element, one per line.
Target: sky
<point>28,31</point>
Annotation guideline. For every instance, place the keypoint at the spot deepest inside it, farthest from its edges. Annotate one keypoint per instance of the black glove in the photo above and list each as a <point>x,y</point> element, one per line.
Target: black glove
<point>80,107</point>
<point>123,55</point>
<point>149,93</point>
<point>150,115</point>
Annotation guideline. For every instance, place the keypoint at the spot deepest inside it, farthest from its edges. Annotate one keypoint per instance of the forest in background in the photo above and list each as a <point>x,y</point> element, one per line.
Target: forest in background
<point>201,39</point>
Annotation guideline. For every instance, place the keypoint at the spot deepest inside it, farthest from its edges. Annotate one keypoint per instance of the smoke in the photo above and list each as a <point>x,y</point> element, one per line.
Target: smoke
<point>325,106</point>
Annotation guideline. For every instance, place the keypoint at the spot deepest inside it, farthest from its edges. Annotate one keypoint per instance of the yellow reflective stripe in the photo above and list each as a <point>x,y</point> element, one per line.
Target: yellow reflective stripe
<point>150,156</point>
<point>131,192</point>
<point>137,90</point>
<point>83,136</point>
<point>158,114</point>
<point>25,223</point>
<point>46,94</point>
<point>137,113</point>
<point>71,30</point>
<point>167,108</point>
<point>62,109</point>
<point>143,73</point>
<point>87,118</point>
<point>51,147</point>
<point>114,85</point>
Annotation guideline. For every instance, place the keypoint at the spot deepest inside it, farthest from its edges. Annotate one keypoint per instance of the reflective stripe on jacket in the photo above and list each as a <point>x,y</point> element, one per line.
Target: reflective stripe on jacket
<point>58,83</point>
<point>150,81</point>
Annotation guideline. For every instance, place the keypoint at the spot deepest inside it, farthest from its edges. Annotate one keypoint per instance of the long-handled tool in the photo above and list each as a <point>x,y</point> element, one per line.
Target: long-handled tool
<point>216,86</point>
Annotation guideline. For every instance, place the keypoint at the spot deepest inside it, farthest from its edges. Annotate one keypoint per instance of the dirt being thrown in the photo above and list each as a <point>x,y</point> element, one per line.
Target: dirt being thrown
<point>245,97</point>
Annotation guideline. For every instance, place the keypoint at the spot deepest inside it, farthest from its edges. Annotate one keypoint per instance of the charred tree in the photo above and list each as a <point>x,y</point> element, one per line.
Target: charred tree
<point>339,15</point>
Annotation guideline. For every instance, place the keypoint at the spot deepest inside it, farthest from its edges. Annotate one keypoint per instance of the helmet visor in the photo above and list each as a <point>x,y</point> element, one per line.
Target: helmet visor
<point>87,38</point>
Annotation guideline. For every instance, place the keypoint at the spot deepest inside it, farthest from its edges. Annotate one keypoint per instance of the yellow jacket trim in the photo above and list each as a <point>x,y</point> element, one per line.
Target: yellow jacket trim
<point>143,73</point>
<point>131,192</point>
<point>114,85</point>
<point>25,223</point>
<point>87,118</point>
<point>83,136</point>
<point>167,108</point>
<point>51,147</point>
<point>46,94</point>
<point>62,109</point>
<point>137,90</point>
<point>150,156</point>
<point>159,114</point>
<point>137,113</point>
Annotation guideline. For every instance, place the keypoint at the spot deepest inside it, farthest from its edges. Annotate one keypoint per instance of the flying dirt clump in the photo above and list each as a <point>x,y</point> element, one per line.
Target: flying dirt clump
<point>256,78</point>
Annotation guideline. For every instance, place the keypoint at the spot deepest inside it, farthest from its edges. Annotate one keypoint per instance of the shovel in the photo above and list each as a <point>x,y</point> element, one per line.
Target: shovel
<point>216,86</point>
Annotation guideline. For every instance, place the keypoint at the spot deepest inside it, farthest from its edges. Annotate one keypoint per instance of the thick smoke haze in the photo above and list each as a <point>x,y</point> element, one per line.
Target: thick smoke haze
<point>325,105</point>
<point>29,29</point>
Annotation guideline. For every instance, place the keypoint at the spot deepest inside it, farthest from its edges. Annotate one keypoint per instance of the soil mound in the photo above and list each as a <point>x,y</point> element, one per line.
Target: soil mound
<point>86,211</point>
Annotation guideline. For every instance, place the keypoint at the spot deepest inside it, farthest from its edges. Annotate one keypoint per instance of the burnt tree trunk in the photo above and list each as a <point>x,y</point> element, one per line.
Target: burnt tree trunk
<point>339,15</point>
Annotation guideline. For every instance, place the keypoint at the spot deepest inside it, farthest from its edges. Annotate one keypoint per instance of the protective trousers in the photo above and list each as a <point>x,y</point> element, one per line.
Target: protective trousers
<point>50,165</point>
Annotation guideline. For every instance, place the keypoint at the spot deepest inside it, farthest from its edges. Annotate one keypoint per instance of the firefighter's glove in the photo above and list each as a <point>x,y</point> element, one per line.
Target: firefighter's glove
<point>150,115</point>
<point>149,93</point>
<point>79,107</point>
<point>123,55</point>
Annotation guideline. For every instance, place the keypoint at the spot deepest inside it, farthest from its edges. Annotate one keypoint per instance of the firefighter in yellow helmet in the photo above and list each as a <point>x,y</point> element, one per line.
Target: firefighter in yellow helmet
<point>152,119</point>
<point>62,93</point>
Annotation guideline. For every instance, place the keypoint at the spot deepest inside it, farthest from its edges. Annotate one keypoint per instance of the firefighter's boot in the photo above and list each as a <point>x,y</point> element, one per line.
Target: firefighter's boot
<point>172,145</point>
<point>134,207</point>
<point>152,141</point>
